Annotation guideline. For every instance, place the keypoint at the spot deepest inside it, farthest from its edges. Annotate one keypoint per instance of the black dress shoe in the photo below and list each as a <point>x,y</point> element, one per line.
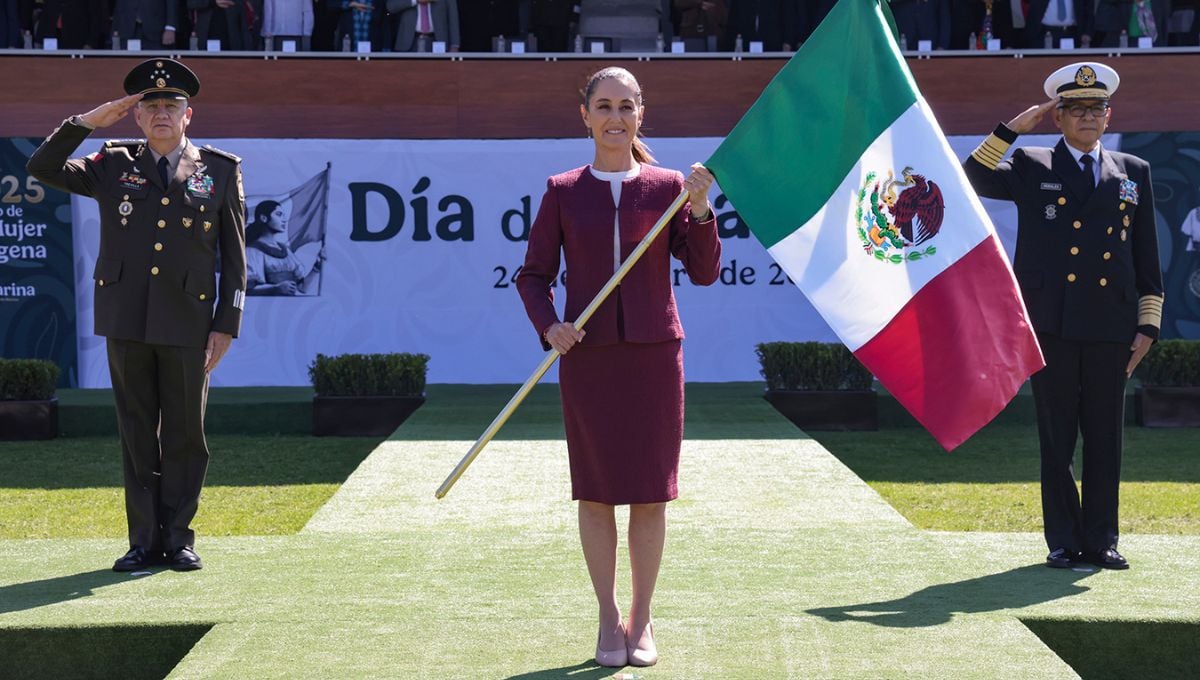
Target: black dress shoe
<point>1108,559</point>
<point>185,559</point>
<point>1061,558</point>
<point>137,558</point>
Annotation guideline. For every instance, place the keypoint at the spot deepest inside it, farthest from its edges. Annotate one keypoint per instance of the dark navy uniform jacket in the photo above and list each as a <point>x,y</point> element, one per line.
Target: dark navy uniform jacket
<point>1086,260</point>
<point>156,275</point>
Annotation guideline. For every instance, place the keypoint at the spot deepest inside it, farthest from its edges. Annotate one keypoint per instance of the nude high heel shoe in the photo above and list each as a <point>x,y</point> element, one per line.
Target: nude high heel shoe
<point>648,656</point>
<point>618,658</point>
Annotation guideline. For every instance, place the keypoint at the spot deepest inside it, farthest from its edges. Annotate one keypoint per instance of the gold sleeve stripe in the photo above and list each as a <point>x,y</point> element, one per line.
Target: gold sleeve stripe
<point>1150,310</point>
<point>991,151</point>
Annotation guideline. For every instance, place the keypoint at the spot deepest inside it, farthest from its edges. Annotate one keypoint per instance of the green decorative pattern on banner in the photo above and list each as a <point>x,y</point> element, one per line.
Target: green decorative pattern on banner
<point>812,123</point>
<point>37,275</point>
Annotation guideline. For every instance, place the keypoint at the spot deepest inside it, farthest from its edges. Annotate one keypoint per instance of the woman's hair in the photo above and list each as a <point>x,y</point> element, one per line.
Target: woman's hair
<point>262,216</point>
<point>641,152</point>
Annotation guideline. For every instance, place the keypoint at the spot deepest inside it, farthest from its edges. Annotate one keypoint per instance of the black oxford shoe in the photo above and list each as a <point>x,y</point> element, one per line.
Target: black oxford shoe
<point>137,558</point>
<point>1061,558</point>
<point>1108,559</point>
<point>185,559</point>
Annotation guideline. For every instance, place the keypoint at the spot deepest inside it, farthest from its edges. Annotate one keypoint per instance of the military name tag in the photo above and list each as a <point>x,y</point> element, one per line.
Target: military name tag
<point>126,208</point>
<point>1051,186</point>
<point>1129,191</point>
<point>131,180</point>
<point>1051,211</point>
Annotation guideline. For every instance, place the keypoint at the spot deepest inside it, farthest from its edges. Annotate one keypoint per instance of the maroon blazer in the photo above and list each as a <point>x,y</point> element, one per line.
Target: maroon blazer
<point>576,219</point>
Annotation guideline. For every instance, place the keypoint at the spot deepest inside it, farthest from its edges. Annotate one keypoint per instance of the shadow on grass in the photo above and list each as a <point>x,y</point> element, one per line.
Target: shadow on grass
<point>937,604</point>
<point>580,671</point>
<point>34,594</point>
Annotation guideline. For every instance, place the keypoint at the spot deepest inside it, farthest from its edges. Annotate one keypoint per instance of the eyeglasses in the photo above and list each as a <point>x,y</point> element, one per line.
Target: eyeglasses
<point>1078,110</point>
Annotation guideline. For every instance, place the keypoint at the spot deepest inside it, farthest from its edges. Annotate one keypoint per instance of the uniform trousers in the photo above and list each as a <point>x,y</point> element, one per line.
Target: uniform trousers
<point>1081,391</point>
<point>161,393</point>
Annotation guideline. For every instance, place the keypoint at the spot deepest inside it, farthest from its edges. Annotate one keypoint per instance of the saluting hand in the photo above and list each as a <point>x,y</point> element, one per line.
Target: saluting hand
<point>697,185</point>
<point>563,336</point>
<point>106,114</point>
<point>1141,345</point>
<point>218,345</point>
<point>1028,119</point>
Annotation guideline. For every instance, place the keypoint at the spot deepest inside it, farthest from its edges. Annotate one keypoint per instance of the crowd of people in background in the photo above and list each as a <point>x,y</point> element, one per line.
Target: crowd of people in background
<point>573,25</point>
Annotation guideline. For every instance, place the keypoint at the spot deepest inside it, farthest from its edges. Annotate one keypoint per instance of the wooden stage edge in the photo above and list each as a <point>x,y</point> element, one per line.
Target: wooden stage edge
<point>248,97</point>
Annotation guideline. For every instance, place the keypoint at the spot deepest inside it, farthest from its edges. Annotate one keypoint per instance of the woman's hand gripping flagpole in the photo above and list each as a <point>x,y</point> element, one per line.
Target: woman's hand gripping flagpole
<point>553,355</point>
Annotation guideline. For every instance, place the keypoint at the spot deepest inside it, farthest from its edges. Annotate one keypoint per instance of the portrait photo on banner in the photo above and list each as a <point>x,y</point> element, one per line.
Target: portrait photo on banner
<point>285,239</point>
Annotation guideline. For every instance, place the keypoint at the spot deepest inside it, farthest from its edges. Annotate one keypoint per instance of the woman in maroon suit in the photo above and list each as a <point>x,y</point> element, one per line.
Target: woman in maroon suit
<point>622,384</point>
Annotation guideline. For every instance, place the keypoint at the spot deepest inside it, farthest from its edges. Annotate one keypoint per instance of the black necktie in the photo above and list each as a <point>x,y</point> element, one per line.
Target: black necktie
<point>1089,174</point>
<point>162,171</point>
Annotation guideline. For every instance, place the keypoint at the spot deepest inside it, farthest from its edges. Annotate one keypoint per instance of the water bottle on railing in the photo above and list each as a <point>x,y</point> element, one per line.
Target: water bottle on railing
<point>346,42</point>
<point>116,40</point>
<point>903,42</point>
<point>194,43</point>
<point>1048,41</point>
<point>659,44</point>
<point>501,46</point>
<point>531,43</point>
<point>578,42</point>
<point>1123,41</point>
<point>972,41</point>
<point>737,43</point>
<point>422,43</point>
<point>27,40</point>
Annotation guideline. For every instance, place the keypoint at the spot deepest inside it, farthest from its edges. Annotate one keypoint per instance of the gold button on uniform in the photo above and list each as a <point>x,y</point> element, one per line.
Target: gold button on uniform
<point>100,282</point>
<point>201,207</point>
<point>1107,255</point>
<point>202,296</point>
<point>1103,282</point>
<point>158,246</point>
<point>1062,200</point>
<point>1074,250</point>
<point>1110,230</point>
<point>1077,224</point>
<point>154,271</point>
<point>1122,206</point>
<point>125,197</point>
<point>1071,277</point>
<point>166,201</point>
<point>162,223</point>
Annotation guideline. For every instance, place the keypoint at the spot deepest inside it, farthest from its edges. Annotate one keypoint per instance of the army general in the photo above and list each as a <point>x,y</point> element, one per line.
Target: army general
<point>169,213</point>
<point>1087,263</point>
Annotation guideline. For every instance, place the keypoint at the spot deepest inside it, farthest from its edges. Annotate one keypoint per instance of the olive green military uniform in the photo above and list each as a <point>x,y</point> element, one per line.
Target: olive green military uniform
<point>158,295</point>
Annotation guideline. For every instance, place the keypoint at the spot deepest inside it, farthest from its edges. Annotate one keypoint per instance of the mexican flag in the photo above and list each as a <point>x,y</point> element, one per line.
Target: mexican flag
<point>842,173</point>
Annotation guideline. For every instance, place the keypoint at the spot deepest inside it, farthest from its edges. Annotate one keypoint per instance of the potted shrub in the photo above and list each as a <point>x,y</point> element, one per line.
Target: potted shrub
<point>366,394</point>
<point>818,385</point>
<point>28,407</point>
<point>1169,393</point>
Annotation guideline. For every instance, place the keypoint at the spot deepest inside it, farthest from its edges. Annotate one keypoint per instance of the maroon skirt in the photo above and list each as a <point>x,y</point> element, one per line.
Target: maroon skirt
<point>623,412</point>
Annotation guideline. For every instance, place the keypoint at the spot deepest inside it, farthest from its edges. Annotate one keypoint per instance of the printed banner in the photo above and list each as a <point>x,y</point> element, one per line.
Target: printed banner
<point>413,246</point>
<point>37,277</point>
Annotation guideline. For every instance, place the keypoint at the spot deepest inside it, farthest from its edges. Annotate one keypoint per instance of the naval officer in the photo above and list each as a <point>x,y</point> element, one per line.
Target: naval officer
<point>1087,263</point>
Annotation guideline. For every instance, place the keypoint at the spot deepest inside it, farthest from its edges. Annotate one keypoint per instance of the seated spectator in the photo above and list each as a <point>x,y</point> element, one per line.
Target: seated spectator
<point>223,20</point>
<point>919,20</point>
<point>627,25</point>
<point>10,24</point>
<point>1138,18</point>
<point>801,18</point>
<point>701,23</point>
<point>288,20</point>
<point>553,23</point>
<point>154,22</point>
<point>435,20</point>
<point>485,20</point>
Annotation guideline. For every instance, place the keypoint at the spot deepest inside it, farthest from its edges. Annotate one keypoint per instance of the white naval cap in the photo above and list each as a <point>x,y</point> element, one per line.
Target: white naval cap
<point>1082,80</point>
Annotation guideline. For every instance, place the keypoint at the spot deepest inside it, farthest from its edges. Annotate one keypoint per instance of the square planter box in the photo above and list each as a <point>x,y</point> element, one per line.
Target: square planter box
<point>23,420</point>
<point>1168,406</point>
<point>838,410</point>
<point>361,416</point>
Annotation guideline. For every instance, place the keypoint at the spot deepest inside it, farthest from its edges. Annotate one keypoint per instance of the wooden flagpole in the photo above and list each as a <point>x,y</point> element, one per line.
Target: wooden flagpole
<point>552,355</point>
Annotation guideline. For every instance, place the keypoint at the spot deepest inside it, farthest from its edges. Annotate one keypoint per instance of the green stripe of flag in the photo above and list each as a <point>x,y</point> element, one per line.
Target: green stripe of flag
<point>812,123</point>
